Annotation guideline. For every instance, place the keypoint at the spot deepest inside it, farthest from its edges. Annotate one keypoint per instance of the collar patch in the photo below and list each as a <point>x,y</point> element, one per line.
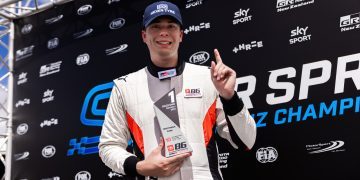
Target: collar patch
<point>167,73</point>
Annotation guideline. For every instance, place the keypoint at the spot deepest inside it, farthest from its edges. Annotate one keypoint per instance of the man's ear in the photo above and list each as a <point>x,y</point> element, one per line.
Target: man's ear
<point>143,35</point>
<point>181,35</point>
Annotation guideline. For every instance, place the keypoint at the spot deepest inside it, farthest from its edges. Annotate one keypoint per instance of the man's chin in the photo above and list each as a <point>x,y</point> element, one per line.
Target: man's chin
<point>165,53</point>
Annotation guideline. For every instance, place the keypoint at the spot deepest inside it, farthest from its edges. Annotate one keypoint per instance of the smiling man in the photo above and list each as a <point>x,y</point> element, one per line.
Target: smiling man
<point>215,105</point>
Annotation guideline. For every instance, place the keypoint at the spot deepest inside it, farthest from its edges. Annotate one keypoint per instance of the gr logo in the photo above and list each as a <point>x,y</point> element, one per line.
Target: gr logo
<point>350,20</point>
<point>265,155</point>
<point>92,114</point>
<point>282,3</point>
<point>94,107</point>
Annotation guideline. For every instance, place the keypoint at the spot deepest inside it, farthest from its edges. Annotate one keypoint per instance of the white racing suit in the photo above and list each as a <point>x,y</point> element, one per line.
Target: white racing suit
<point>130,114</point>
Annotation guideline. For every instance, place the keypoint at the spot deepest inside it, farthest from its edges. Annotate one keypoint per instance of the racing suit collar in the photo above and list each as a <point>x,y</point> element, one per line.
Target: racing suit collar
<point>156,70</point>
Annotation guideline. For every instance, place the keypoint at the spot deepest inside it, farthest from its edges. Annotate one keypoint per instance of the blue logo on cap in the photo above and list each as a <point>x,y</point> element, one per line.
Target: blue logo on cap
<point>161,8</point>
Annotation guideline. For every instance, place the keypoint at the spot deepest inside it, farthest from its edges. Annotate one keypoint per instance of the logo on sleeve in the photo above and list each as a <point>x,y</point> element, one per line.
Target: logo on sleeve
<point>193,92</point>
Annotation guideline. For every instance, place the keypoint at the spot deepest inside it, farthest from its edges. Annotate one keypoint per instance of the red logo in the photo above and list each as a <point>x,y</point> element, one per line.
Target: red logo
<point>170,148</point>
<point>164,74</point>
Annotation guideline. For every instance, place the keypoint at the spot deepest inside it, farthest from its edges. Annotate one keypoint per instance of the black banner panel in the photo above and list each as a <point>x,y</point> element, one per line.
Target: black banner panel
<point>298,72</point>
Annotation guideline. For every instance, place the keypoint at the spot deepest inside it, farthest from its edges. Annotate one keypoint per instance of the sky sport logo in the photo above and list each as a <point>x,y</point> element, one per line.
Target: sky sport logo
<point>299,35</point>
<point>242,16</point>
<point>22,78</point>
<point>193,3</point>
<point>265,155</point>
<point>48,96</point>
<point>284,5</point>
<point>350,22</point>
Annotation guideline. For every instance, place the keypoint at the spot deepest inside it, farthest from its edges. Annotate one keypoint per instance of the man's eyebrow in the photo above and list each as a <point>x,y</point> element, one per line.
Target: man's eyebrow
<point>170,20</point>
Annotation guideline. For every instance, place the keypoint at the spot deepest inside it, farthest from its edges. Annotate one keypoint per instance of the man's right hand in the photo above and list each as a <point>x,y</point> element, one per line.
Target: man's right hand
<point>159,166</point>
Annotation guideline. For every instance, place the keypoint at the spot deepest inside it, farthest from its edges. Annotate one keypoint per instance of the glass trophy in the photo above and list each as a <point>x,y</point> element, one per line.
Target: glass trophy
<point>168,118</point>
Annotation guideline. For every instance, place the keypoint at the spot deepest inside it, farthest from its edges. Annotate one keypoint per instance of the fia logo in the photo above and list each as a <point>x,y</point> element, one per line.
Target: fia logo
<point>265,155</point>
<point>53,43</point>
<point>82,59</point>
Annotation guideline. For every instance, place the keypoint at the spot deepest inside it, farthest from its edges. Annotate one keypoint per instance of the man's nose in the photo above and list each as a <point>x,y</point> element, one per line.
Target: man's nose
<point>164,32</point>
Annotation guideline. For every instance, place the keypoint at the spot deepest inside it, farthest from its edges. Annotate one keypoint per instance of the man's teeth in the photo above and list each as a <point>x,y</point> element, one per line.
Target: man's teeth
<point>164,42</point>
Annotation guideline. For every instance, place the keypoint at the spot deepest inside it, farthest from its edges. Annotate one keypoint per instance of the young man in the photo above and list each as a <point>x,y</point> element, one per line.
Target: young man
<point>130,112</point>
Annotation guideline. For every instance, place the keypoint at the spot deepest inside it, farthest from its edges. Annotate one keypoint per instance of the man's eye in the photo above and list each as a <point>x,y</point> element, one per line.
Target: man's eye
<point>172,26</point>
<point>156,26</point>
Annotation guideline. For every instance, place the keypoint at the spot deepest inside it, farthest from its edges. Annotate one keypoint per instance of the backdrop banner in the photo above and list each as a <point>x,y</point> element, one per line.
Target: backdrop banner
<point>298,72</point>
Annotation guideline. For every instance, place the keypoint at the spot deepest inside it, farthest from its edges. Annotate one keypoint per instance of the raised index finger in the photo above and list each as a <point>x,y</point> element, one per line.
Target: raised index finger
<point>217,56</point>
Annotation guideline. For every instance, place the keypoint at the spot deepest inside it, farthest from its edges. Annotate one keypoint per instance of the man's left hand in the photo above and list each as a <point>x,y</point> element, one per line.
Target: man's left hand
<point>223,77</point>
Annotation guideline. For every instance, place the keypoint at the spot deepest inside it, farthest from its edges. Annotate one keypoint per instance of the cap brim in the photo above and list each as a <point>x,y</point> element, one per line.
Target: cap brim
<point>161,15</point>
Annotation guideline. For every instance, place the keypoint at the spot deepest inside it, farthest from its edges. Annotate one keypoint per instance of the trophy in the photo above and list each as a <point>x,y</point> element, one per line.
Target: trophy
<point>168,118</point>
